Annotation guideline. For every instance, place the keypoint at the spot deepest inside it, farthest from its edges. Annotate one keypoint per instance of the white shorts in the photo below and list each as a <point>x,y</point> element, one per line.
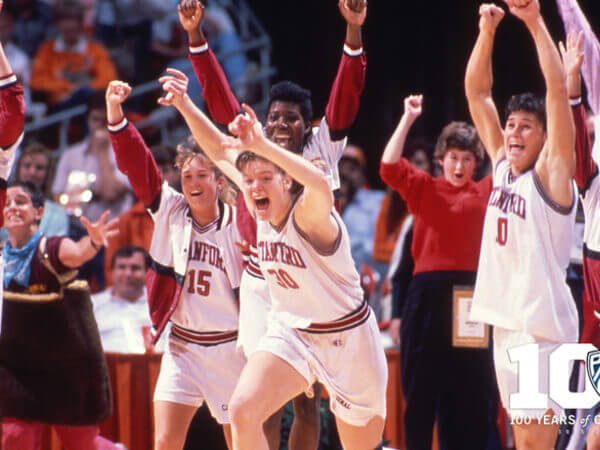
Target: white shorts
<point>255,304</point>
<point>507,372</point>
<point>350,364</point>
<point>191,374</point>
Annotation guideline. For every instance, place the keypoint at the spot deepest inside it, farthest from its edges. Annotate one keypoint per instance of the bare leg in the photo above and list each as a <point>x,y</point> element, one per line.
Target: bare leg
<point>593,436</point>
<point>536,435</point>
<point>256,398</point>
<point>361,438</point>
<point>272,430</point>
<point>307,421</point>
<point>228,438</point>
<point>171,423</point>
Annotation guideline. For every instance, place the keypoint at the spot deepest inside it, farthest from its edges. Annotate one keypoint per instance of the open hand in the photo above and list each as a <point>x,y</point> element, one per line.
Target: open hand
<point>175,85</point>
<point>117,92</point>
<point>490,16</point>
<point>572,55</point>
<point>526,10</point>
<point>413,106</point>
<point>353,11</point>
<point>101,231</point>
<point>248,129</point>
<point>191,13</point>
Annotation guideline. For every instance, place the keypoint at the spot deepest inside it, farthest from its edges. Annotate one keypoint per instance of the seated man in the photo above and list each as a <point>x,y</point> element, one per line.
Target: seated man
<point>68,69</point>
<point>123,306</point>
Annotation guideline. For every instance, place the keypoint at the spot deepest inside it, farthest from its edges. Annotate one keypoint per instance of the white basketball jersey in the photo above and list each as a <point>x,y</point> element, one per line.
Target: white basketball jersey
<point>306,285</point>
<point>214,269</point>
<point>521,280</point>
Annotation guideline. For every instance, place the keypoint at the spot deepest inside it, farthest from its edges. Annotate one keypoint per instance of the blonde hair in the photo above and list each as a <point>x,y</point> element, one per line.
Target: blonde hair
<point>188,150</point>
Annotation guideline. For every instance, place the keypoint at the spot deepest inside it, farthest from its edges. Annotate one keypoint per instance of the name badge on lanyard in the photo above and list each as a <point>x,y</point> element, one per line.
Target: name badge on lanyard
<point>465,332</point>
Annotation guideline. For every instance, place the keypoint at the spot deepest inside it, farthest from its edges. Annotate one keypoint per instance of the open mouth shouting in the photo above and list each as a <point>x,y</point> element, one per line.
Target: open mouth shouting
<point>262,203</point>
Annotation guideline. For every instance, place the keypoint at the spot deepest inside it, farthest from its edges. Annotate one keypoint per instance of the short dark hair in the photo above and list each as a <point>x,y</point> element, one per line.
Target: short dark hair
<point>127,251</point>
<point>459,135</point>
<point>37,198</point>
<point>288,91</point>
<point>527,102</point>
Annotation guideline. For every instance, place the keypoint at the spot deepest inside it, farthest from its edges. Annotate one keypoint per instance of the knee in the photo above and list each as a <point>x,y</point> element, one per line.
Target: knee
<point>244,414</point>
<point>165,439</point>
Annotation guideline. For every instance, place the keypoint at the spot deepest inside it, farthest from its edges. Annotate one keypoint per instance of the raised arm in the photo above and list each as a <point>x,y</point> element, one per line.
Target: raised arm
<point>208,136</point>
<point>220,99</point>
<point>478,83</point>
<point>344,99</point>
<point>413,107</point>
<point>572,56</point>
<point>313,213</point>
<point>575,21</point>
<point>75,254</point>
<point>556,164</point>
<point>131,152</point>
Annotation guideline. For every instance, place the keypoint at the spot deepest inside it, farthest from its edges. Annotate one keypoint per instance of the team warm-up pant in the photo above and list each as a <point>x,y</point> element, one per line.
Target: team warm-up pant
<point>455,385</point>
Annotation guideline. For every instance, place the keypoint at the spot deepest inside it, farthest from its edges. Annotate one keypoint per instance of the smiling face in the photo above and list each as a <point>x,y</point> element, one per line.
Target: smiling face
<point>458,166</point>
<point>200,187</point>
<point>266,190</point>
<point>524,138</point>
<point>285,125</point>
<point>19,212</point>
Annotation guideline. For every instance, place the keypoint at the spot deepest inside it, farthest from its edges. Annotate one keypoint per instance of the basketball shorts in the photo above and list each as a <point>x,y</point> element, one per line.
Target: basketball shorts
<point>351,364</point>
<point>191,374</point>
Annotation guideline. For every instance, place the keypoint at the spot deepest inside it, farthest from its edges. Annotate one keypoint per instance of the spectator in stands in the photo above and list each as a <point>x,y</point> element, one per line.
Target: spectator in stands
<point>358,205</point>
<point>34,24</point>
<point>135,225</point>
<point>124,302</point>
<point>36,165</point>
<point>67,70</point>
<point>94,161</point>
<point>448,224</point>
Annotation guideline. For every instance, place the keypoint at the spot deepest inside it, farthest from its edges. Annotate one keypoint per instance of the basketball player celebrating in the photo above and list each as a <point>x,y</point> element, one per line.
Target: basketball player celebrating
<point>319,326</point>
<point>193,278</point>
<point>288,123</point>
<point>529,223</point>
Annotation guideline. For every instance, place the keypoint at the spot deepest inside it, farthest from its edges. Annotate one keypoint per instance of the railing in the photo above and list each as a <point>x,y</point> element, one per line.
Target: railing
<point>255,40</point>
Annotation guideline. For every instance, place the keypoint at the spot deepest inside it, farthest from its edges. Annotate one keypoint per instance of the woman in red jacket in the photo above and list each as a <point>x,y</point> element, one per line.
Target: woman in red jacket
<point>455,384</point>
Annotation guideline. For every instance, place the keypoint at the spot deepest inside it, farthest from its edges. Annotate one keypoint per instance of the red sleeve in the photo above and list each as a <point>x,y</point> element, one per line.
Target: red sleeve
<point>135,160</point>
<point>221,102</point>
<point>344,99</point>
<point>245,222</point>
<point>12,111</point>
<point>407,180</point>
<point>585,167</point>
